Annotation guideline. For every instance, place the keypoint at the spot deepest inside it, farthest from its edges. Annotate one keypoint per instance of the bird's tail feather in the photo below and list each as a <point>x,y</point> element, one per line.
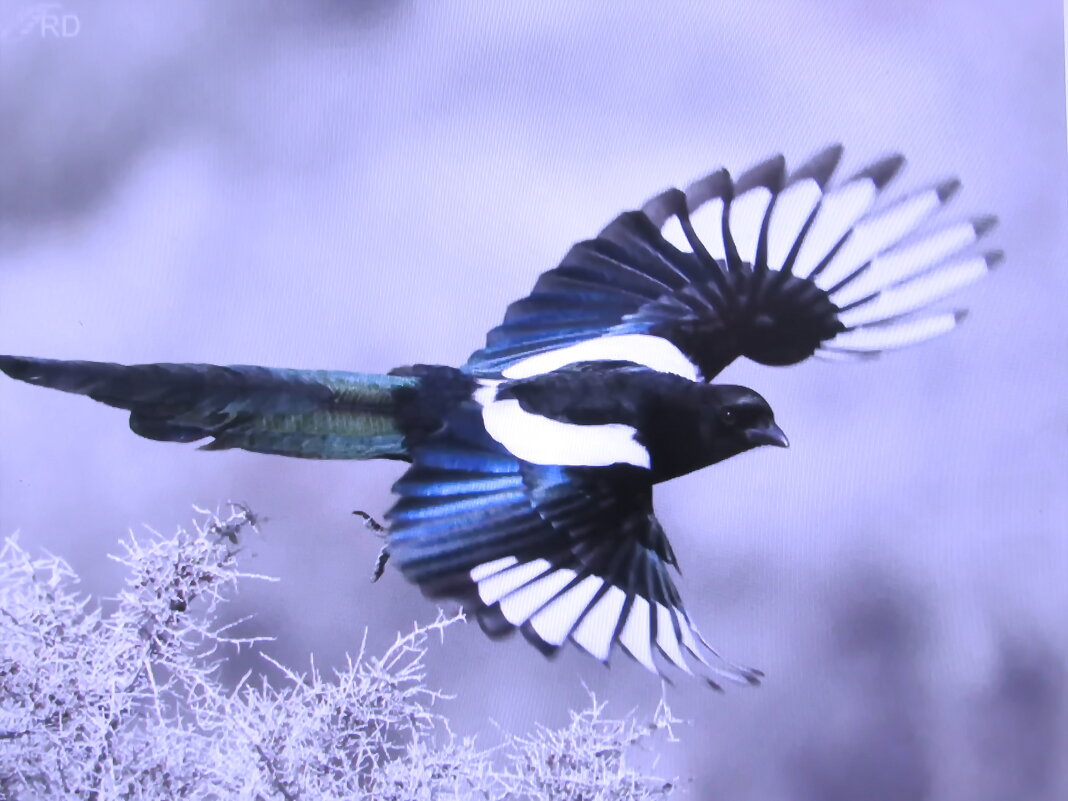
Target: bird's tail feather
<point>315,414</point>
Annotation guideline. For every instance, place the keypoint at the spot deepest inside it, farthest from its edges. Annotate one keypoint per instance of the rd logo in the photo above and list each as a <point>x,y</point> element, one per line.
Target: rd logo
<point>44,21</point>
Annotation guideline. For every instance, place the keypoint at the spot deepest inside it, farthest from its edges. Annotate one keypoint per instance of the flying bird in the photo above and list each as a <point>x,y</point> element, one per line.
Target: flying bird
<point>529,495</point>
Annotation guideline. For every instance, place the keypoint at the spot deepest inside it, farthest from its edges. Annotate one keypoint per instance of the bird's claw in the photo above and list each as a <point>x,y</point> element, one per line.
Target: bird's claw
<point>369,521</point>
<point>380,564</point>
<point>383,555</point>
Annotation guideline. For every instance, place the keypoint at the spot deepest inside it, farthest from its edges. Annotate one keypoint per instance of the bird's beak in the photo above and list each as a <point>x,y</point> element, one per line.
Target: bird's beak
<point>770,434</point>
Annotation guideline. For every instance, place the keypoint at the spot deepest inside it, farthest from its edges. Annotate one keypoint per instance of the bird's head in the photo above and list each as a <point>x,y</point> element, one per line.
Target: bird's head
<point>736,419</point>
<point>705,424</point>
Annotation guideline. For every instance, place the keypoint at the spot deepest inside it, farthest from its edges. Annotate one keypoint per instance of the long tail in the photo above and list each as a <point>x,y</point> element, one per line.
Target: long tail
<point>311,414</point>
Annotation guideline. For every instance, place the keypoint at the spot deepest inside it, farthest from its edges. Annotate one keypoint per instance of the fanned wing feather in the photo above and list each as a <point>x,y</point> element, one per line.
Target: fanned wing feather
<point>556,553</point>
<point>770,266</point>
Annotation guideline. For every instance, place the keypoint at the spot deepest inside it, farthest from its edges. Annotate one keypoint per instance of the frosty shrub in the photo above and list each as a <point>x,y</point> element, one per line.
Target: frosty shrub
<point>123,700</point>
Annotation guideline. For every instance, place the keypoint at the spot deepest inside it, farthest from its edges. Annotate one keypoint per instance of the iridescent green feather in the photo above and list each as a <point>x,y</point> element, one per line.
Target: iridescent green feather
<point>314,414</point>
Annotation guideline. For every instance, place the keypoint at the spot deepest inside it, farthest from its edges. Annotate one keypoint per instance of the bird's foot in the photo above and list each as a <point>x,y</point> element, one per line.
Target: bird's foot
<point>380,563</point>
<point>383,555</point>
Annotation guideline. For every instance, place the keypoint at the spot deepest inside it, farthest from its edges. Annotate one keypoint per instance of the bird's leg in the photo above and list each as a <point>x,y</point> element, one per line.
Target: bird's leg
<point>383,555</point>
<point>369,521</point>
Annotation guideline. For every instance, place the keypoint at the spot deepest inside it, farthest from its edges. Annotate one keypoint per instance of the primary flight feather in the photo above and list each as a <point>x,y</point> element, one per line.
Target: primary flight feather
<point>529,495</point>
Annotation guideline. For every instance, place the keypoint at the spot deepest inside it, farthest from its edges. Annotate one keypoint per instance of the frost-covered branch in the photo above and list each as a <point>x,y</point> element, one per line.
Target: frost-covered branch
<point>123,699</point>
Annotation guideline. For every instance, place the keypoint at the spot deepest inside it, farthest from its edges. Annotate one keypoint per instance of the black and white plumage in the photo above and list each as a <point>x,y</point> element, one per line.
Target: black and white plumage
<point>529,495</point>
<point>770,266</point>
<point>563,545</point>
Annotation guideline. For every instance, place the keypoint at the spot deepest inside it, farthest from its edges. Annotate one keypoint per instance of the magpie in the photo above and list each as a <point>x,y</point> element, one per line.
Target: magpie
<point>529,492</point>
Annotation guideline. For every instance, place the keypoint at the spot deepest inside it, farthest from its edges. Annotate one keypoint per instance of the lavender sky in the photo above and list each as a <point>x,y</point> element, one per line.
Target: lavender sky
<point>329,188</point>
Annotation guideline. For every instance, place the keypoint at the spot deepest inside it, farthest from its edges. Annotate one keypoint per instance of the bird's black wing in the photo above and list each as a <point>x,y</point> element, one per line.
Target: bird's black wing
<point>773,266</point>
<point>558,553</point>
<point>314,414</point>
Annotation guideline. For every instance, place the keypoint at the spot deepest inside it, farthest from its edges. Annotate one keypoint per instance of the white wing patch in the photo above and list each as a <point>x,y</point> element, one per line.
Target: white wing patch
<point>896,334</point>
<point>650,351</point>
<point>495,587</point>
<point>557,607</point>
<point>666,637</point>
<point>488,569</point>
<point>636,634</point>
<point>870,261</point>
<point>707,221</point>
<point>595,631</point>
<point>840,209</point>
<point>541,440</point>
<point>878,231</point>
<point>904,262</point>
<point>556,620</point>
<point>673,233</point>
<point>792,209</point>
<point>917,292</point>
<point>519,605</point>
<point>746,218</point>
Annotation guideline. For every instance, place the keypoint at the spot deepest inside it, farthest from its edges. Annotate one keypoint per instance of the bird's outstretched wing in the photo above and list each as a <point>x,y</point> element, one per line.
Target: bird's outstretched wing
<point>558,553</point>
<point>314,414</point>
<point>773,266</point>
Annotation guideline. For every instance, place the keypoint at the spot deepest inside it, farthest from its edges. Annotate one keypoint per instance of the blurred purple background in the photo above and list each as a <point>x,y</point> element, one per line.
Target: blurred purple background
<point>363,185</point>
